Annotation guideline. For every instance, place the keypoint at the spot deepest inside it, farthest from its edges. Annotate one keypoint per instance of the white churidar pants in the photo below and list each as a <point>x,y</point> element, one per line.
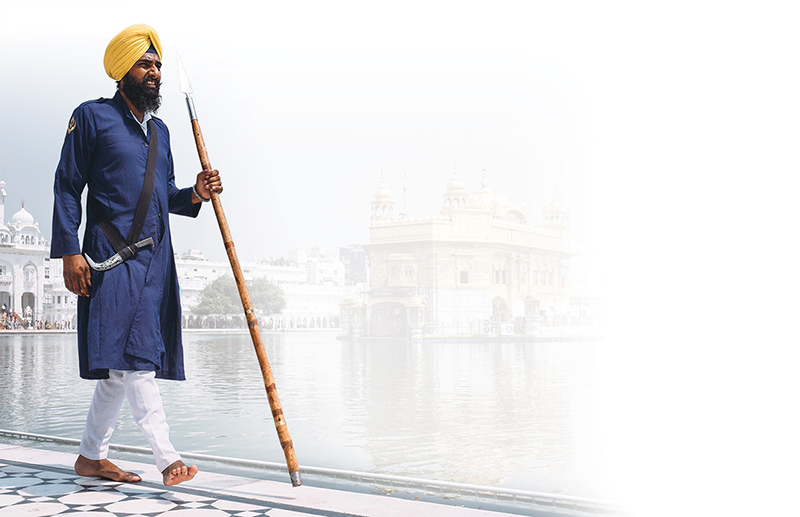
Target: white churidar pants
<point>141,390</point>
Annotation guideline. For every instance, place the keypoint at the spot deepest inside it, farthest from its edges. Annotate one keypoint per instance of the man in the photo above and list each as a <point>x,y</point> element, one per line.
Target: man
<point>129,316</point>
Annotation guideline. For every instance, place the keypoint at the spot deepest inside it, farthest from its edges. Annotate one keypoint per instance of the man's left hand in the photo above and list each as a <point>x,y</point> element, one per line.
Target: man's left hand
<point>207,182</point>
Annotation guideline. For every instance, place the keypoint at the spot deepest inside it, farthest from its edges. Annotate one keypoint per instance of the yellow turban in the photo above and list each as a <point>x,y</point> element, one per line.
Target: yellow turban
<point>127,47</point>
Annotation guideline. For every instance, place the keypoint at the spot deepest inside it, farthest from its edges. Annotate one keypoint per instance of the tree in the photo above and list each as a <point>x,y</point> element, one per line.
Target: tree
<point>267,297</point>
<point>222,297</point>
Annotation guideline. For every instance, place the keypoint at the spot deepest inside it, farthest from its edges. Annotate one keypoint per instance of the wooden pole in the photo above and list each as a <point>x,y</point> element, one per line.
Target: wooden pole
<point>252,322</point>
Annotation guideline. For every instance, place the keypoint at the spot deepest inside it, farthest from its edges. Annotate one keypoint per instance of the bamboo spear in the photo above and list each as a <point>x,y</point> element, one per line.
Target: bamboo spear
<point>252,322</point>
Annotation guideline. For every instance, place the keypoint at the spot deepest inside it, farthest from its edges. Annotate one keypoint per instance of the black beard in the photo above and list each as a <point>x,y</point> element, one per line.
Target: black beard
<point>143,98</point>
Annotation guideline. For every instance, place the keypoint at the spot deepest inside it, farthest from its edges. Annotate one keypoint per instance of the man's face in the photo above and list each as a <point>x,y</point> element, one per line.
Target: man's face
<point>142,83</point>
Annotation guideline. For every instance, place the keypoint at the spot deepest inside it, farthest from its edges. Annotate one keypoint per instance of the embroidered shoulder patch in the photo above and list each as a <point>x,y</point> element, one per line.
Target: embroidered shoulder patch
<point>71,125</point>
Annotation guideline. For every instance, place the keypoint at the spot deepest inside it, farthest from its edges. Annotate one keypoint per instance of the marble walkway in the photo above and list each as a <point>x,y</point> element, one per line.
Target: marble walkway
<point>37,482</point>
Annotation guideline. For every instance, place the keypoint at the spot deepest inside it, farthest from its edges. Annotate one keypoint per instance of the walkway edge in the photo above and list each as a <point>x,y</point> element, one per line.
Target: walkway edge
<point>443,488</point>
<point>317,500</point>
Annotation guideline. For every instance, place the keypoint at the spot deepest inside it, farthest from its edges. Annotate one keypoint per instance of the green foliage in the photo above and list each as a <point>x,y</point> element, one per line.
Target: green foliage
<point>219,297</point>
<point>267,297</point>
<point>222,297</point>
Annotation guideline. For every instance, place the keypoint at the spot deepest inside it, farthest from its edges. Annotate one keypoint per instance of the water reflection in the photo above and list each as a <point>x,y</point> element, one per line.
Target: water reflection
<point>518,415</point>
<point>473,413</point>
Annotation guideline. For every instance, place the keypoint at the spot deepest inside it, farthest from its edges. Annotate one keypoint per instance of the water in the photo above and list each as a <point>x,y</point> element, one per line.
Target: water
<point>513,415</point>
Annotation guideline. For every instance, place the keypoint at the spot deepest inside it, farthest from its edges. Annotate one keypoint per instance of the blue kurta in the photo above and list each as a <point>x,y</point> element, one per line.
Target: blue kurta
<point>131,321</point>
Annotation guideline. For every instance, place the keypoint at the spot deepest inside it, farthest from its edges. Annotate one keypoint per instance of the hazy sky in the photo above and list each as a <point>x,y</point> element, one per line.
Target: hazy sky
<point>670,128</point>
<point>307,107</point>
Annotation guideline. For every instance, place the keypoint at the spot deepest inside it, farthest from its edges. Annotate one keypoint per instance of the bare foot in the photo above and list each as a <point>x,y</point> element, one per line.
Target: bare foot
<point>178,472</point>
<point>103,469</point>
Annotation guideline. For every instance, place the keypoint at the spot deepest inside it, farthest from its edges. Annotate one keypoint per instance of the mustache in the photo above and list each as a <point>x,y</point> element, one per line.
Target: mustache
<point>156,81</point>
<point>144,98</point>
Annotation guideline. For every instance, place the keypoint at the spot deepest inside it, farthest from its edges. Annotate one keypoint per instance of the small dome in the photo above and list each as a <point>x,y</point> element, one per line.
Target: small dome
<point>455,186</point>
<point>22,218</point>
<point>502,208</point>
<point>382,193</point>
<point>484,198</point>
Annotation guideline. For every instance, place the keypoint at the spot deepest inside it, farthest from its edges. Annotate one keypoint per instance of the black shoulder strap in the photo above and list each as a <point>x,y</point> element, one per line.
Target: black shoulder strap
<point>147,187</point>
<point>111,232</point>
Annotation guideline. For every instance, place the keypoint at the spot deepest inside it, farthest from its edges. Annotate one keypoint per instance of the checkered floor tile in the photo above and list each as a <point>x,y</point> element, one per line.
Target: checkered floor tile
<point>34,491</point>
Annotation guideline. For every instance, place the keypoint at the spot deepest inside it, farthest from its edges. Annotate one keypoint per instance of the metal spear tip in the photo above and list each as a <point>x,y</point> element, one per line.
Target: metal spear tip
<point>186,86</point>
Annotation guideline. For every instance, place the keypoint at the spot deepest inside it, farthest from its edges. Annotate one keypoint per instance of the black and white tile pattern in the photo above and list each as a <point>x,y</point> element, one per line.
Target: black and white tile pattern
<point>34,491</point>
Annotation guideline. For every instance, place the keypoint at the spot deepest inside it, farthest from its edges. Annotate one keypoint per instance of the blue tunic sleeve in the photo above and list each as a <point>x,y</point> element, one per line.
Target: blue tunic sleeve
<point>70,180</point>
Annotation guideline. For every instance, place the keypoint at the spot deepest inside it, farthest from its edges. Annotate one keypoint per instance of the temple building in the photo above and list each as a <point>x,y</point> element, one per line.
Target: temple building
<point>31,285</point>
<point>479,267</point>
<point>33,293</point>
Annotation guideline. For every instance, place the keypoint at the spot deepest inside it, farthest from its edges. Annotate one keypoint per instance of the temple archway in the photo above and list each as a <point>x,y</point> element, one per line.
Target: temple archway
<point>28,300</point>
<point>499,309</point>
<point>389,319</point>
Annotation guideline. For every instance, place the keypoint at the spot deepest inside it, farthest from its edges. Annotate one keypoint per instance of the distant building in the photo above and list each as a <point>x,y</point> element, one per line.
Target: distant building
<point>31,285</point>
<point>356,264</point>
<point>478,267</point>
<point>323,269</point>
<point>313,285</point>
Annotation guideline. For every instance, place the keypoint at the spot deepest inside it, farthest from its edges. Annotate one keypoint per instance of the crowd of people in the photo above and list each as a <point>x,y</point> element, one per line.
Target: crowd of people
<point>10,320</point>
<point>267,323</point>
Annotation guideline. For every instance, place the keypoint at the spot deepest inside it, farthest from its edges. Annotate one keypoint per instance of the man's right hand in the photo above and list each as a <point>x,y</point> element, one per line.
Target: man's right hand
<point>77,274</point>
